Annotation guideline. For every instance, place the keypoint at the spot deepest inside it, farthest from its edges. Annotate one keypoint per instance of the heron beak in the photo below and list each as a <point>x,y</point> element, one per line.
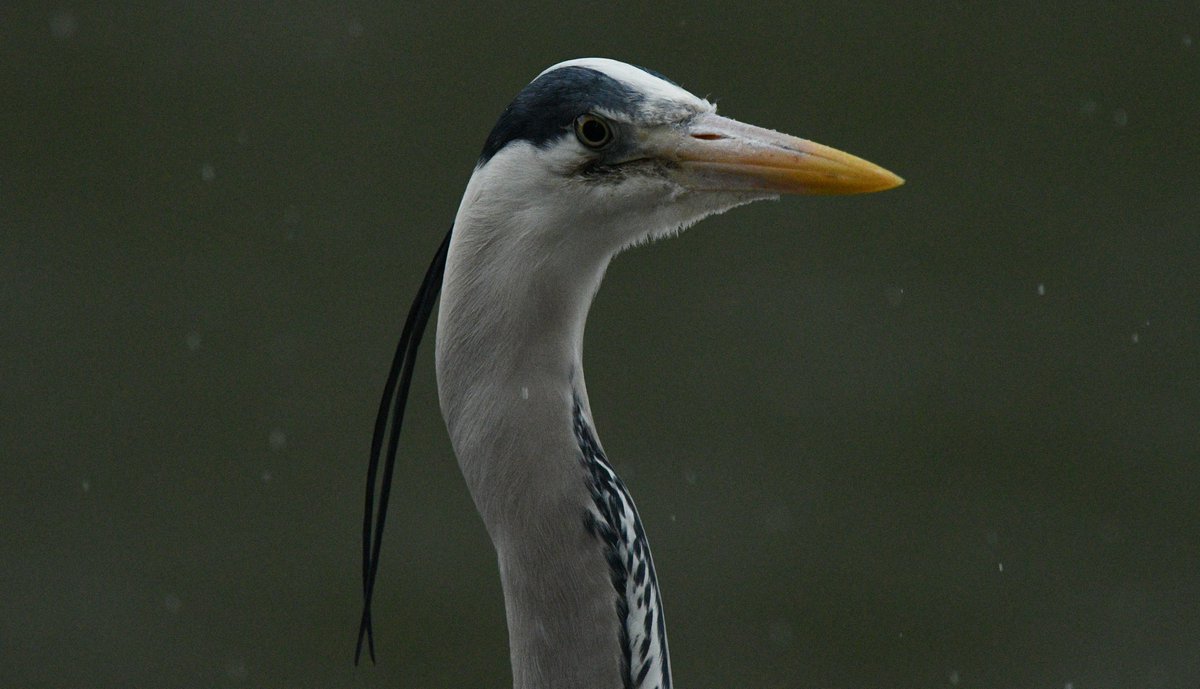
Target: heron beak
<point>716,153</point>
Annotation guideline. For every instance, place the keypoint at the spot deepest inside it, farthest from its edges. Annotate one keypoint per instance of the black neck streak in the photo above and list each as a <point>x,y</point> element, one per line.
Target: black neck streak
<point>613,520</point>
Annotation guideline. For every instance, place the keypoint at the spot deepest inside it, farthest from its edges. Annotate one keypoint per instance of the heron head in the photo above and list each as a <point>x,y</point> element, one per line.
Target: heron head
<point>601,154</point>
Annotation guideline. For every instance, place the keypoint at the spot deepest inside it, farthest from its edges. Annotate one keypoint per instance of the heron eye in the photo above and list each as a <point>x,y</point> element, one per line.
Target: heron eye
<point>592,131</point>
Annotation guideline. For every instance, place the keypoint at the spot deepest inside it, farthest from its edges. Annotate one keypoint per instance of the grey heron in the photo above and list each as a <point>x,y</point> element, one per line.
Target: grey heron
<point>591,157</point>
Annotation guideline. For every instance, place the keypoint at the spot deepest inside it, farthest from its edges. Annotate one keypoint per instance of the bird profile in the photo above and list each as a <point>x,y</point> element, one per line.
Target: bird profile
<point>591,157</point>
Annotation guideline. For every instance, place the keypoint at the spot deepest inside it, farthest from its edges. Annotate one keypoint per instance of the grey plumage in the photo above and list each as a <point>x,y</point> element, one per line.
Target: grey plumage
<point>592,157</point>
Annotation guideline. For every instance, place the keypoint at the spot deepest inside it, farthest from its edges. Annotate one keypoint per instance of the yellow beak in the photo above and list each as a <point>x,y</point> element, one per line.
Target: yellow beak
<point>716,153</point>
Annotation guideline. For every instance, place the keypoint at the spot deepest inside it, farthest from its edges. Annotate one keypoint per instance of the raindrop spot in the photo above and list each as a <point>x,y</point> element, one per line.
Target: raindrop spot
<point>781,634</point>
<point>64,25</point>
<point>236,669</point>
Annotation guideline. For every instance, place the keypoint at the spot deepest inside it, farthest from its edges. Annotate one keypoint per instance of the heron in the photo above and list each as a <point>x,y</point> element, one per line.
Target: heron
<point>590,158</point>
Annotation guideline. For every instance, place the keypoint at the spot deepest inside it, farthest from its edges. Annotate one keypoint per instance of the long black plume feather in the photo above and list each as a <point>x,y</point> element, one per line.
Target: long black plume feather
<point>395,396</point>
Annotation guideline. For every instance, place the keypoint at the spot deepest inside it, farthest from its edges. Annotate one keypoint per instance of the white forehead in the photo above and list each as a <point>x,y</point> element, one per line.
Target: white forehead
<point>636,78</point>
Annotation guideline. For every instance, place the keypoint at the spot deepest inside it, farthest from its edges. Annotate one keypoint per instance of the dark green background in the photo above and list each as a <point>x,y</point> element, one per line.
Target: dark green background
<point>947,435</point>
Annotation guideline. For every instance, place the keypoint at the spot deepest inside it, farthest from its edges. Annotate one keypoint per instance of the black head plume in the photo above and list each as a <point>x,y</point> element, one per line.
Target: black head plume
<point>388,423</point>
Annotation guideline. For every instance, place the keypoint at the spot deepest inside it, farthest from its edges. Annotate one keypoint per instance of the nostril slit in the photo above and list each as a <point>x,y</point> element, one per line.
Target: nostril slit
<point>707,137</point>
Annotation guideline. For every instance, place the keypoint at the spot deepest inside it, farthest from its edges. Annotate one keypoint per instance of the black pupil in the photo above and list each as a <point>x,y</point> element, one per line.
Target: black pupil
<point>594,131</point>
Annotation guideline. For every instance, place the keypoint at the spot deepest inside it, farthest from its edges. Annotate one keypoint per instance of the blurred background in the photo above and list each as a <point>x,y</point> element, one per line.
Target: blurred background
<point>946,436</point>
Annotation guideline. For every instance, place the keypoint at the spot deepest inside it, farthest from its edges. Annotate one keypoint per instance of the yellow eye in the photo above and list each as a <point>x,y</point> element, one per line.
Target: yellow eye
<point>592,131</point>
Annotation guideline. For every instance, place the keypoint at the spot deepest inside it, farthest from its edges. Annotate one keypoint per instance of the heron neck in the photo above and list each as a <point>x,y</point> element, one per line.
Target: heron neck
<point>512,391</point>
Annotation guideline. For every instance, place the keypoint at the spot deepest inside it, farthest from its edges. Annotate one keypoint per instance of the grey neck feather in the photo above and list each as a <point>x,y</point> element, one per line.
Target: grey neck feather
<point>579,586</point>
